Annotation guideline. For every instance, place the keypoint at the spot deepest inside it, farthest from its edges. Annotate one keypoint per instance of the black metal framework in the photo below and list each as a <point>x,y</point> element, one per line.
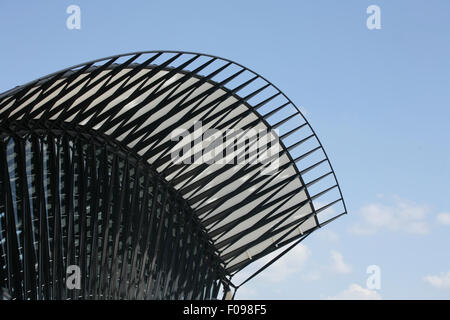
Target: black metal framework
<point>132,103</point>
<point>75,200</point>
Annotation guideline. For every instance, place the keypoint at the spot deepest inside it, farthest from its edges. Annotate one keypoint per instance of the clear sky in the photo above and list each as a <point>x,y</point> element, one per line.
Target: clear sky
<point>378,99</point>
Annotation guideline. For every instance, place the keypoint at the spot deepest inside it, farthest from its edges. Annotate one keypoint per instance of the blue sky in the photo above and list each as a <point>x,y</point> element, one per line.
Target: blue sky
<point>378,100</point>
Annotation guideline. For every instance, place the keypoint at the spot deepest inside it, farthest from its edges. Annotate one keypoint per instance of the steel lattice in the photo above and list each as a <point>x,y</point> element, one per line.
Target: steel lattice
<point>136,101</point>
<point>74,201</point>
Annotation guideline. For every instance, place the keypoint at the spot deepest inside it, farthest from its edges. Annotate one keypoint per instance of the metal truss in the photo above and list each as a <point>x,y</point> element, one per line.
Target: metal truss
<point>136,101</point>
<point>77,200</point>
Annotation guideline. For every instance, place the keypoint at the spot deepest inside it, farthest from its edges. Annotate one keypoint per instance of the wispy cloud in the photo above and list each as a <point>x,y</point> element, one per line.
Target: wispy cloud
<point>443,218</point>
<point>356,292</point>
<point>392,214</point>
<point>312,276</point>
<point>440,281</point>
<point>328,235</point>
<point>246,293</point>
<point>290,263</point>
<point>338,264</point>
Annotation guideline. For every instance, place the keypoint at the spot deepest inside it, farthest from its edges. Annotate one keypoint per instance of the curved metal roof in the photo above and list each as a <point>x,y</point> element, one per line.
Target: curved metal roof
<point>249,207</point>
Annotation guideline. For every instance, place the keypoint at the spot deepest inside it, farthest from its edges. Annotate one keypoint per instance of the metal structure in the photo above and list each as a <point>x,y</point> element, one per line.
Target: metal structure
<point>92,176</point>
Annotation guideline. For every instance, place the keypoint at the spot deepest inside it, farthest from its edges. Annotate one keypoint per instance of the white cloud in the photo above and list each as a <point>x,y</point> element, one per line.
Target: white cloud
<point>246,293</point>
<point>356,292</point>
<point>291,262</point>
<point>280,270</point>
<point>312,276</point>
<point>328,235</point>
<point>418,227</point>
<point>439,281</point>
<point>397,215</point>
<point>338,264</point>
<point>444,218</point>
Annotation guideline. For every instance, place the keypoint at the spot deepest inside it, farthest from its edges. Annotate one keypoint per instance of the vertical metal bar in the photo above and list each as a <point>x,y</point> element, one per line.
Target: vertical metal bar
<point>12,253</point>
<point>3,262</point>
<point>212,277</point>
<point>57,236</point>
<point>149,237</point>
<point>156,249</point>
<point>69,212</point>
<point>196,261</point>
<point>200,282</point>
<point>44,267</point>
<point>183,249</point>
<point>216,288</point>
<point>193,250</point>
<point>137,239</point>
<point>117,217</point>
<point>29,261</point>
<point>131,212</point>
<point>82,184</point>
<point>113,182</point>
<point>176,249</point>
<point>97,171</point>
<point>164,256</point>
